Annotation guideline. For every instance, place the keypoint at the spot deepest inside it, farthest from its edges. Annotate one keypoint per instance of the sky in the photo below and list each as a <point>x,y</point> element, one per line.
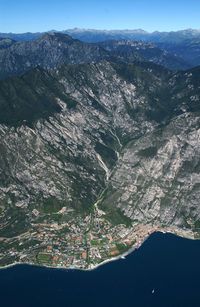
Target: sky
<point>20,16</point>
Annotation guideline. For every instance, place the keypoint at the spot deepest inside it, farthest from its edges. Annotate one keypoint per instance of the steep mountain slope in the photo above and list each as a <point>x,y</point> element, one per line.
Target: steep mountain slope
<point>90,118</point>
<point>157,175</point>
<point>25,99</point>
<point>157,178</point>
<point>94,144</point>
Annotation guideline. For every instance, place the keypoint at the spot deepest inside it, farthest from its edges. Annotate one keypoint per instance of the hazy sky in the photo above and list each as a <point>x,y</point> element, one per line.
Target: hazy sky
<point>150,15</point>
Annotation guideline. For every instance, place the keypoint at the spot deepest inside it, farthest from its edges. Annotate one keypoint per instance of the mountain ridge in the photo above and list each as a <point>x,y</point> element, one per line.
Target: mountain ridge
<point>183,43</point>
<point>52,50</point>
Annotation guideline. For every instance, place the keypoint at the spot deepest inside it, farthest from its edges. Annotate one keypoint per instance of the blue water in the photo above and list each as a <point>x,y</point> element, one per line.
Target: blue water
<point>166,263</point>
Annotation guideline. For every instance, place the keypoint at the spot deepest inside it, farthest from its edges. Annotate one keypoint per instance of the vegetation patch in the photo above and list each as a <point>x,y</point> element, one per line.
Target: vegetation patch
<point>44,258</point>
<point>149,152</point>
<point>51,205</point>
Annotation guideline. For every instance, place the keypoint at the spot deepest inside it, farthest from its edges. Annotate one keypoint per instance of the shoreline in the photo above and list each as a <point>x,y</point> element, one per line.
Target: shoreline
<point>125,254</point>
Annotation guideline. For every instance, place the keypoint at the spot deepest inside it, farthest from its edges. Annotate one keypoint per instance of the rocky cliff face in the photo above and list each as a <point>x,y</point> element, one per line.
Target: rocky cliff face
<point>82,137</point>
<point>92,117</point>
<point>157,176</point>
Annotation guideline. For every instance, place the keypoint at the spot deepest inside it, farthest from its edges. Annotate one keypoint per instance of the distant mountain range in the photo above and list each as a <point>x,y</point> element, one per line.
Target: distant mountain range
<point>184,44</point>
<point>51,50</point>
<point>92,35</point>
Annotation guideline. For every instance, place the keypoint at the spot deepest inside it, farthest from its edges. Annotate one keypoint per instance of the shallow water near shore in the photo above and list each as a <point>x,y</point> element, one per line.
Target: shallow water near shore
<point>164,271</point>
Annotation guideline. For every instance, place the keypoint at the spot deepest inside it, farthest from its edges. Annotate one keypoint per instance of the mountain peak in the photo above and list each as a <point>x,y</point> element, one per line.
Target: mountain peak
<point>56,36</point>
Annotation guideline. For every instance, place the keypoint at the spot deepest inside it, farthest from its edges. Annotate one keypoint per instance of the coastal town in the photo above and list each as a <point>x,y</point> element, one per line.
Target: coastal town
<point>79,242</point>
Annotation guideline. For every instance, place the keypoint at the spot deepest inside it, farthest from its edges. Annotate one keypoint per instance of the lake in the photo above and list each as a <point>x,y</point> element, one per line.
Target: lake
<point>167,264</point>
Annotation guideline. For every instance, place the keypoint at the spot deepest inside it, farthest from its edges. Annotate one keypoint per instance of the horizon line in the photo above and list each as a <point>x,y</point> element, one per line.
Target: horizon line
<point>103,30</point>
